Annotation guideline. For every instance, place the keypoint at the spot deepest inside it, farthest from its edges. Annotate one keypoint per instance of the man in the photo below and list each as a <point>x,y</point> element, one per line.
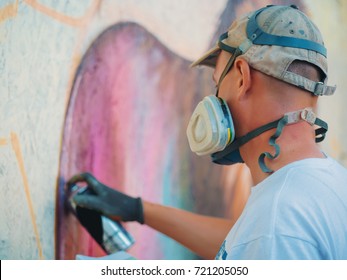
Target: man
<point>270,68</point>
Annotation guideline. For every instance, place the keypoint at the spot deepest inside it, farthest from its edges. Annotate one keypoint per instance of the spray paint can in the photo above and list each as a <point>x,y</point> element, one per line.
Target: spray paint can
<point>109,234</point>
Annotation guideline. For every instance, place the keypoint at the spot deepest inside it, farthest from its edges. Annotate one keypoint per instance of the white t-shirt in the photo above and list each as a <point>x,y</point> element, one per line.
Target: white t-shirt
<point>299,212</point>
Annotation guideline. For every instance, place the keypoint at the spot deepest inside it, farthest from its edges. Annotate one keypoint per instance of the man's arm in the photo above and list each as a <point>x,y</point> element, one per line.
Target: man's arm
<point>201,234</point>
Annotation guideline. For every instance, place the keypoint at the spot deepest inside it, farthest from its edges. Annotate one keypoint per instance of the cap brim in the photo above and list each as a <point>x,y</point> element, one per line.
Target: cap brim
<point>208,59</point>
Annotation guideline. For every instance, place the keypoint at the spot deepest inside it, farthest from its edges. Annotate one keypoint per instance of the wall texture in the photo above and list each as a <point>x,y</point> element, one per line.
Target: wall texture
<point>105,87</point>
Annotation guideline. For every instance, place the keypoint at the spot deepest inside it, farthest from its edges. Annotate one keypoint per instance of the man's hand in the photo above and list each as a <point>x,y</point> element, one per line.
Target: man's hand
<point>107,201</point>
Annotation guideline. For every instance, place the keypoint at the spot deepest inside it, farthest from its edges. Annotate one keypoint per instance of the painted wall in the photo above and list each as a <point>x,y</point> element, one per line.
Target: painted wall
<point>104,86</point>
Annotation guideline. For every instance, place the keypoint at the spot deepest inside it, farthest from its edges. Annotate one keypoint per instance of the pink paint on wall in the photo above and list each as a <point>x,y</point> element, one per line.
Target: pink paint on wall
<point>126,122</point>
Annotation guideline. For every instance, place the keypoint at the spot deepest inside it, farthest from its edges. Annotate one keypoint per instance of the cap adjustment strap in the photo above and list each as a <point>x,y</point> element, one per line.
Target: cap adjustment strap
<point>316,88</point>
<point>322,89</point>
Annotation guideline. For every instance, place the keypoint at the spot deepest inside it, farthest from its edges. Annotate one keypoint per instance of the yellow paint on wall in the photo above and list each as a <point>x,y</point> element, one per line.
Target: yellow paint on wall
<point>8,11</point>
<point>3,142</point>
<point>73,21</point>
<point>17,150</point>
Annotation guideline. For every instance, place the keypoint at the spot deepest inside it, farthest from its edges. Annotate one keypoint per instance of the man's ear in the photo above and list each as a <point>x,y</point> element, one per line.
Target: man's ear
<point>243,77</point>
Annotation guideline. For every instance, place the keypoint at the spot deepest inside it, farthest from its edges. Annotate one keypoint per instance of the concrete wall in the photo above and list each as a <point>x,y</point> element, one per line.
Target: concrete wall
<point>48,125</point>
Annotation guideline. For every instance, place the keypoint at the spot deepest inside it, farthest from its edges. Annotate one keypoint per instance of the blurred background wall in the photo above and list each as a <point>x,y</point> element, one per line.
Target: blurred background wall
<point>105,86</point>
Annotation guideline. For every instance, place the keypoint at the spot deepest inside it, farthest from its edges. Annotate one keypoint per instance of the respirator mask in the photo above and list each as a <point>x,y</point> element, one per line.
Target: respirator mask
<point>211,132</point>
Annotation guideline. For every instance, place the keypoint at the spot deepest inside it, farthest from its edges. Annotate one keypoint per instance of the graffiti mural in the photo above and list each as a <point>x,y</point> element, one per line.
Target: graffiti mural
<point>128,111</point>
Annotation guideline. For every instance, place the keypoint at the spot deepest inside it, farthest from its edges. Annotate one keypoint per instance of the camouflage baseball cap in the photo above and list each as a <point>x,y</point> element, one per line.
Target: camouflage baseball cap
<point>270,39</point>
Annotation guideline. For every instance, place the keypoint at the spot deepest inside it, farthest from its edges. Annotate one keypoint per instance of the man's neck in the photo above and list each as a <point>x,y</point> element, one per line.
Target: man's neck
<point>296,142</point>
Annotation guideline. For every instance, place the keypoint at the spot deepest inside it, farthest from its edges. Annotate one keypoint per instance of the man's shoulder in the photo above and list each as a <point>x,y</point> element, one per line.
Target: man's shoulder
<point>312,172</point>
<point>315,173</point>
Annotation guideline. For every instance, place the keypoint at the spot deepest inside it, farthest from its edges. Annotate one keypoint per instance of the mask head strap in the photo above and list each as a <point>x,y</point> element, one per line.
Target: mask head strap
<point>289,118</point>
<point>260,37</point>
<point>292,118</point>
<point>238,142</point>
<point>235,52</point>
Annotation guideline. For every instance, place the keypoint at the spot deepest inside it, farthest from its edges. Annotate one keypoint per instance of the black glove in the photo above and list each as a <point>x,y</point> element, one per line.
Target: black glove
<point>109,202</point>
